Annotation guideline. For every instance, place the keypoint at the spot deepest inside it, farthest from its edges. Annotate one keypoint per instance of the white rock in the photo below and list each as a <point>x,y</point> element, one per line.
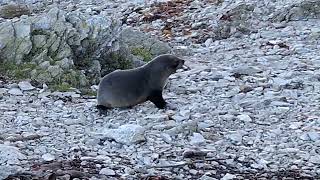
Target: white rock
<point>315,159</point>
<point>206,177</point>
<point>10,155</point>
<point>166,137</point>
<point>126,134</point>
<point>15,91</point>
<point>208,42</point>
<point>244,118</point>
<point>228,176</point>
<point>107,172</point>
<point>48,157</point>
<point>197,139</point>
<point>314,136</point>
<point>3,91</point>
<point>25,86</point>
<point>295,125</point>
<point>158,117</point>
<point>235,137</point>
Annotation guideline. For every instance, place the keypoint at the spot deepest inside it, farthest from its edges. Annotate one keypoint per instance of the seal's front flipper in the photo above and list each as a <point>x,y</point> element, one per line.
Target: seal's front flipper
<point>156,98</point>
<point>103,110</point>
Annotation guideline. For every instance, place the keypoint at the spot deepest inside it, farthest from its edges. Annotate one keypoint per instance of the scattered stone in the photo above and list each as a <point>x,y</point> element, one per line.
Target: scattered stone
<point>15,91</point>
<point>249,95</point>
<point>25,86</point>
<point>126,134</point>
<point>197,139</point>
<point>244,118</point>
<point>107,172</point>
<point>235,138</point>
<point>228,176</point>
<point>48,157</point>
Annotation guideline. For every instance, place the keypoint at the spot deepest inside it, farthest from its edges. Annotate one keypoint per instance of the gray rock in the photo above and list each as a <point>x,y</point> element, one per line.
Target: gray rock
<point>246,70</point>
<point>10,155</point>
<point>295,125</point>
<point>197,139</point>
<point>48,157</point>
<point>244,118</point>
<point>315,159</point>
<point>107,172</point>
<point>206,177</point>
<point>25,86</point>
<point>235,138</point>
<point>298,10</point>
<point>157,117</point>
<point>228,177</point>
<point>136,39</point>
<point>126,134</point>
<point>15,91</point>
<point>6,171</point>
<point>314,136</point>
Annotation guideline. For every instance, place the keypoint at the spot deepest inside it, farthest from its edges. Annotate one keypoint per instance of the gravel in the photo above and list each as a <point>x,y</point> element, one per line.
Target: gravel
<point>250,100</point>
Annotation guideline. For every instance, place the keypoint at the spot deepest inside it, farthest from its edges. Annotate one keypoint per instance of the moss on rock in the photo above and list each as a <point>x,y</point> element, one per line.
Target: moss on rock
<point>17,71</point>
<point>145,54</point>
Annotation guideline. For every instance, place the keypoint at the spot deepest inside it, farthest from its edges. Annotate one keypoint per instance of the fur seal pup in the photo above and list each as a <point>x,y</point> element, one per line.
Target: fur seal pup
<point>126,88</point>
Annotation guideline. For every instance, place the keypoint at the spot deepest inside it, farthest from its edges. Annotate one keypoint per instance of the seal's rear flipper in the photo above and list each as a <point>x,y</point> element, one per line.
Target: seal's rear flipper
<point>103,110</point>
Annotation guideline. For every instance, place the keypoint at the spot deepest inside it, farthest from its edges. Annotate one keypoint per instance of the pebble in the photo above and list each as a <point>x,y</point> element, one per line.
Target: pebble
<point>244,118</point>
<point>48,157</point>
<point>235,138</point>
<point>228,176</point>
<point>107,172</point>
<point>197,139</point>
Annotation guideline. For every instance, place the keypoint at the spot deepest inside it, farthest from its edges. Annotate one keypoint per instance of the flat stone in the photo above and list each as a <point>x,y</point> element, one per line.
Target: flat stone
<point>228,176</point>
<point>235,137</point>
<point>314,136</point>
<point>197,139</point>
<point>48,157</point>
<point>315,159</point>
<point>244,118</point>
<point>107,172</point>
<point>158,117</point>
<point>295,125</point>
<point>15,91</point>
<point>25,86</point>
<point>126,134</point>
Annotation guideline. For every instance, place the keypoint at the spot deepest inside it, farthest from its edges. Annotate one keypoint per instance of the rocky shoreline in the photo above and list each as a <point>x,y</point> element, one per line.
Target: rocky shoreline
<point>247,109</point>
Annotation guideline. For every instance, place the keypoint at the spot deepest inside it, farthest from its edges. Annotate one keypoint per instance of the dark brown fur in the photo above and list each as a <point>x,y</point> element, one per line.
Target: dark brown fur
<point>126,88</point>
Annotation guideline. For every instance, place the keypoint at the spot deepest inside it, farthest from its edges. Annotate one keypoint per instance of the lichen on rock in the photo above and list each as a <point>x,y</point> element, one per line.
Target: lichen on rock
<point>72,48</point>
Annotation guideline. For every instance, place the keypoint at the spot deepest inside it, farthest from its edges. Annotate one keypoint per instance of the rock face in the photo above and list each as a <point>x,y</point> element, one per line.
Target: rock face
<point>75,48</point>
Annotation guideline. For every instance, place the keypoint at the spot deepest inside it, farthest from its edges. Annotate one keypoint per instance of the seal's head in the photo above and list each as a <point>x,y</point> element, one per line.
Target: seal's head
<point>168,63</point>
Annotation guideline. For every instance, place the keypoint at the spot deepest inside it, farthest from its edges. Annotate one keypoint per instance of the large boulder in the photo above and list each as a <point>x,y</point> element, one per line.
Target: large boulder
<point>71,48</point>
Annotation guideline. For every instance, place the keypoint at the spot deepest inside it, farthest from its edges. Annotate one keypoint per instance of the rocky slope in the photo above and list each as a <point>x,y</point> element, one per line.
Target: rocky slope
<point>247,109</point>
